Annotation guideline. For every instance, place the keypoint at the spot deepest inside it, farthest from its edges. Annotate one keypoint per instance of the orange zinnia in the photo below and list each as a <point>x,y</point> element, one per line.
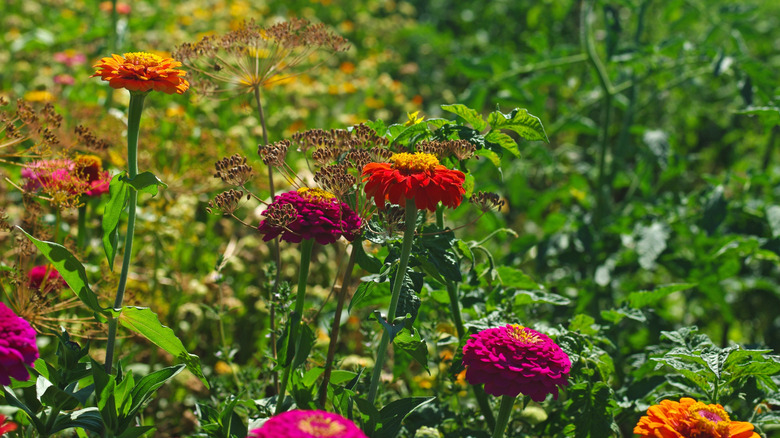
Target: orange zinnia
<point>141,72</point>
<point>689,418</point>
<point>416,176</point>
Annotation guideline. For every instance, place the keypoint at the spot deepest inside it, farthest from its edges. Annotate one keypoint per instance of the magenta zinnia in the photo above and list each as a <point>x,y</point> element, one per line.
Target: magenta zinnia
<point>309,213</point>
<point>417,176</point>
<point>307,424</point>
<point>17,346</point>
<point>514,360</point>
<point>45,278</point>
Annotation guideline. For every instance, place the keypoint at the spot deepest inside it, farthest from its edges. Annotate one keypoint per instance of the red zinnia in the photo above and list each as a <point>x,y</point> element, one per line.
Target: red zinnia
<point>141,71</point>
<point>307,424</point>
<point>17,346</point>
<point>417,176</point>
<point>6,427</point>
<point>689,418</point>
<point>514,359</point>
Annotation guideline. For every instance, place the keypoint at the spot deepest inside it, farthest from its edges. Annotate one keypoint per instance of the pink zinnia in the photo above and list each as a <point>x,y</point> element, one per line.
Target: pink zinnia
<point>17,346</point>
<point>82,176</point>
<point>307,424</point>
<point>70,58</point>
<point>514,359</point>
<point>50,174</point>
<point>309,214</point>
<point>46,277</point>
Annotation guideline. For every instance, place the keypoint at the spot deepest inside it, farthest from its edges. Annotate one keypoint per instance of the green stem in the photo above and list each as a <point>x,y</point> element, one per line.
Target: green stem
<point>334,328</point>
<point>484,405</point>
<point>51,419</point>
<point>406,249</point>
<point>275,245</point>
<point>133,128</point>
<point>293,342</point>
<point>504,413</point>
<point>81,238</point>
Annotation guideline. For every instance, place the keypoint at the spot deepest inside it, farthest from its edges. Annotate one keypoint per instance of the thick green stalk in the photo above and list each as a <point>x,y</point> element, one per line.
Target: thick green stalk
<point>334,328</point>
<point>81,237</point>
<point>133,128</point>
<point>504,413</point>
<point>295,319</point>
<point>406,249</point>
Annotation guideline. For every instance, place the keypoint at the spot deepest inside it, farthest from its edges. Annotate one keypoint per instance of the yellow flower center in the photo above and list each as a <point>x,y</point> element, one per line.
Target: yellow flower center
<point>518,332</point>
<point>709,420</point>
<point>320,426</point>
<point>142,58</point>
<point>417,162</point>
<point>315,194</point>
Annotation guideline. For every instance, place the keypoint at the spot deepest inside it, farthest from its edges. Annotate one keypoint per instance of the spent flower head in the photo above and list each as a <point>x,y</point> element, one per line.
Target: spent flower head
<point>254,56</point>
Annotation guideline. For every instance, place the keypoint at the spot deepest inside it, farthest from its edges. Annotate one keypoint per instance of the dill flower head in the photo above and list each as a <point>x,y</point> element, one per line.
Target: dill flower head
<point>514,360</point>
<point>17,346</point>
<point>690,418</point>
<point>142,72</point>
<point>307,424</point>
<point>417,176</point>
<point>254,56</point>
<point>309,213</point>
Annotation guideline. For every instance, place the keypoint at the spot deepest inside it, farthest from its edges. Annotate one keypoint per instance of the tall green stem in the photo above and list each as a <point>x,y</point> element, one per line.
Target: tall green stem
<point>81,238</point>
<point>406,249</point>
<point>334,328</point>
<point>275,245</point>
<point>504,413</point>
<point>293,342</point>
<point>133,128</point>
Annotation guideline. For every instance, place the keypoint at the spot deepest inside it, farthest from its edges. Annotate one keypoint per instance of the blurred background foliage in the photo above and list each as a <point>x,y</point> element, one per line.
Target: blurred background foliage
<point>662,166</point>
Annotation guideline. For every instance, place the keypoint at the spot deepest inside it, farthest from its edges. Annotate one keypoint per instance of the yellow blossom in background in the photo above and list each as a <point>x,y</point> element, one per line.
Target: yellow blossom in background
<point>413,118</point>
<point>38,96</point>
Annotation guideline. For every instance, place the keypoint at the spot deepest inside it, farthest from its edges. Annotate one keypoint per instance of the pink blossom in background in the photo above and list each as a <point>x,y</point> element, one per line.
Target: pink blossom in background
<point>71,58</point>
<point>17,346</point>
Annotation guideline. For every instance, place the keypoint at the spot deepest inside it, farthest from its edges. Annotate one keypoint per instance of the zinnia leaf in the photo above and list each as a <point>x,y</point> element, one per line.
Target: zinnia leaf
<point>118,194</point>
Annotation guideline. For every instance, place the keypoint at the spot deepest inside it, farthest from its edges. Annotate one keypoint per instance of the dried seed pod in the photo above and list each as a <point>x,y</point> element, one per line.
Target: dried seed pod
<point>487,201</point>
<point>227,202</point>
<point>233,170</point>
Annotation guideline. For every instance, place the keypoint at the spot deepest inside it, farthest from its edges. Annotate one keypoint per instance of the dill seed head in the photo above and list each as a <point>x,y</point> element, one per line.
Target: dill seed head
<point>274,153</point>
<point>233,170</point>
<point>335,179</point>
<point>487,201</point>
<point>227,202</point>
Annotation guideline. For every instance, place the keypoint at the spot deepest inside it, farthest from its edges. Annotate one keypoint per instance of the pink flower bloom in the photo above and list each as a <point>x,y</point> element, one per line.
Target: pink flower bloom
<point>71,58</point>
<point>514,359</point>
<point>64,80</point>
<point>307,424</point>
<point>50,174</point>
<point>46,278</point>
<point>309,214</point>
<point>121,8</point>
<point>82,176</point>
<point>17,346</point>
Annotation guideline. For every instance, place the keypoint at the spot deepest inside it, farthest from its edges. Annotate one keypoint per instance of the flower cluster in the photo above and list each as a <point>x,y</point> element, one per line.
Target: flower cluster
<point>142,72</point>
<point>309,213</point>
<point>83,175</point>
<point>416,176</point>
<point>17,346</point>
<point>691,418</point>
<point>513,359</point>
<point>307,424</point>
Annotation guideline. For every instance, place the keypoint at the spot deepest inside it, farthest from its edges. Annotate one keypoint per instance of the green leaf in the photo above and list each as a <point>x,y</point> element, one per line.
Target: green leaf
<point>524,297</point>
<point>506,142</point>
<point>616,315</point>
<point>310,376</point>
<point>143,321</point>
<point>394,413</point>
<point>338,377</point>
<point>490,155</point>
<point>469,115</point>
<point>520,121</point>
<point>88,418</point>
<point>306,342</point>
<point>11,400</point>
<point>652,242</point>
<point>773,218</point>
<point>52,396</point>
<point>146,182</point>
<point>118,194</point>
<point>644,298</point>
<point>71,270</point>
<point>414,345</point>
<point>515,278</point>
<point>365,261</point>
<point>715,210</point>
<point>145,388</point>
<point>135,432</point>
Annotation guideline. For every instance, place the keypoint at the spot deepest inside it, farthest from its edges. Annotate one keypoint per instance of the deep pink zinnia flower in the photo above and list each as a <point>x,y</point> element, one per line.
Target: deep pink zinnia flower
<point>307,424</point>
<point>50,174</point>
<point>309,214</point>
<point>82,176</point>
<point>514,359</point>
<point>17,346</point>
<point>46,277</point>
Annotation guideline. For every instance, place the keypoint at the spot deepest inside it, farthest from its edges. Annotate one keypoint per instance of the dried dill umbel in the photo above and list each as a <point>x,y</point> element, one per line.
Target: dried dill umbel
<point>233,170</point>
<point>487,201</point>
<point>254,56</point>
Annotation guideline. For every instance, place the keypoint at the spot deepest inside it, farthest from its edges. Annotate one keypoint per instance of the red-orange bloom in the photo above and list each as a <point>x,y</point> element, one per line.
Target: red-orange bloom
<point>416,176</point>
<point>691,419</point>
<point>141,71</point>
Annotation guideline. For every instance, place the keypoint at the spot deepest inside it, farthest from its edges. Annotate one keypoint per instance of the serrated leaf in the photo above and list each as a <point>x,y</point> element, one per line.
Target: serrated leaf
<point>143,321</point>
<point>146,182</point>
<point>71,269</point>
<point>469,115</point>
<point>521,122</point>
<point>411,343</point>
<point>490,155</point>
<point>643,298</point>
<point>118,196</point>
<point>504,141</point>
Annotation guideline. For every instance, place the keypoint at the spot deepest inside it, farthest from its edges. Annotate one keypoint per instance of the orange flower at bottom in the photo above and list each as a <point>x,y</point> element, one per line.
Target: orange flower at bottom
<point>416,176</point>
<point>141,71</point>
<point>691,419</point>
